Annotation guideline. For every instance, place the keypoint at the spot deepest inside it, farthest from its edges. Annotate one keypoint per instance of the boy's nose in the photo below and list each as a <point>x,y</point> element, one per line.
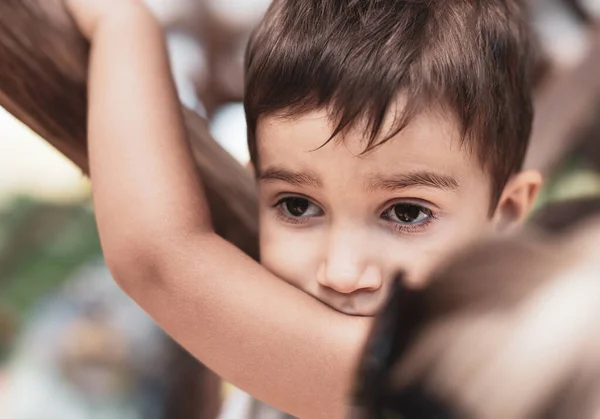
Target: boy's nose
<point>347,281</point>
<point>348,268</point>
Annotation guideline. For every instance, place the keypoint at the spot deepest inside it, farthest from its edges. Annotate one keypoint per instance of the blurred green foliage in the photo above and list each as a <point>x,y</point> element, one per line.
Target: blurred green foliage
<point>41,245</point>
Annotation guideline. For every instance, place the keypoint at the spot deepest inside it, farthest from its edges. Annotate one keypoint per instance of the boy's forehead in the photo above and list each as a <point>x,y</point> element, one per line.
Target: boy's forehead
<point>432,140</point>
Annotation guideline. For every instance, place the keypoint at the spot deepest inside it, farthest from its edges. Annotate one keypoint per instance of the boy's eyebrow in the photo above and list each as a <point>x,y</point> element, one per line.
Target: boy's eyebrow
<point>291,177</point>
<point>413,179</point>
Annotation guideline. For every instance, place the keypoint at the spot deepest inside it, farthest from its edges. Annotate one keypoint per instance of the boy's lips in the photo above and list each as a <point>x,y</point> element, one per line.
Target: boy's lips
<point>360,303</point>
<point>352,312</point>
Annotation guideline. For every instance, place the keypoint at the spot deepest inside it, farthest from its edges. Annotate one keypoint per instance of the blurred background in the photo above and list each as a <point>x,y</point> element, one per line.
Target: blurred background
<point>73,346</point>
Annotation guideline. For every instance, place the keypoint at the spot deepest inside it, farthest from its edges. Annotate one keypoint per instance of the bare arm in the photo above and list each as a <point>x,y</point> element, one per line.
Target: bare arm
<point>251,328</point>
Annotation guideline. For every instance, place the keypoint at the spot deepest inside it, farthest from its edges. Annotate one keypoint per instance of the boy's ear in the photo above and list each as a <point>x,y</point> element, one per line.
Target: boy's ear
<point>517,200</point>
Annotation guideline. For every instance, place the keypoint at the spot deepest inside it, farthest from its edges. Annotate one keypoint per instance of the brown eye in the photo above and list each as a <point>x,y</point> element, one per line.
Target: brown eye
<point>296,207</point>
<point>408,214</point>
<point>299,207</point>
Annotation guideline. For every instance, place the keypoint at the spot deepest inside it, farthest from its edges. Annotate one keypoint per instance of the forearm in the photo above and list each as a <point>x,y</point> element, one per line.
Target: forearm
<point>145,184</point>
<point>255,330</point>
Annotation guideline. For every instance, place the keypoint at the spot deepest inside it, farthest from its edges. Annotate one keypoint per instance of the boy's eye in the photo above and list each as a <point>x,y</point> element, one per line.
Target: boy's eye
<point>299,207</point>
<point>408,214</point>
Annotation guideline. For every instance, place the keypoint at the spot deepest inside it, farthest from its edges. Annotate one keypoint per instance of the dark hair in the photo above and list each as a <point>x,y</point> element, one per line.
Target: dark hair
<point>354,57</point>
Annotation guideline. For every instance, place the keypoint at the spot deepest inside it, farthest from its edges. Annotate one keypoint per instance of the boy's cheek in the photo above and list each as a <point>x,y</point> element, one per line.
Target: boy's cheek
<point>291,257</point>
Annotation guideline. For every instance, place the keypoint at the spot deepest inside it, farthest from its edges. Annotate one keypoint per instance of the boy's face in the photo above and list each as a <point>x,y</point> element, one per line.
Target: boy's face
<point>339,226</point>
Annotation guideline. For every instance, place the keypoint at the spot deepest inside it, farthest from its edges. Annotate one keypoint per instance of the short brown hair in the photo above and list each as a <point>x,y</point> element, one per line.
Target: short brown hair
<point>353,57</point>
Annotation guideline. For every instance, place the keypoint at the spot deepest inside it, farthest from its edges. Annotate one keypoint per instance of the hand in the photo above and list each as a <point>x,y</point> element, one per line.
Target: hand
<point>88,14</point>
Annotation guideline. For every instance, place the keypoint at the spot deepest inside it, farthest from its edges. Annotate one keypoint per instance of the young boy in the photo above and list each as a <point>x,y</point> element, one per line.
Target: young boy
<point>385,134</point>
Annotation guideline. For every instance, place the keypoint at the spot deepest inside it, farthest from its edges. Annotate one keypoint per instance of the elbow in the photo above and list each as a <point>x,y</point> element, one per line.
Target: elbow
<point>142,262</point>
<point>132,263</point>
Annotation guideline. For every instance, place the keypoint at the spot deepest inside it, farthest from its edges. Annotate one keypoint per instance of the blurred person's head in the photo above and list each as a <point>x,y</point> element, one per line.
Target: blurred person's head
<point>509,329</point>
<point>385,134</point>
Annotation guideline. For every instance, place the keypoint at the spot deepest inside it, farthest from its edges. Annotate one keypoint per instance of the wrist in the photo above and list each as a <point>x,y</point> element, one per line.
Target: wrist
<point>131,16</point>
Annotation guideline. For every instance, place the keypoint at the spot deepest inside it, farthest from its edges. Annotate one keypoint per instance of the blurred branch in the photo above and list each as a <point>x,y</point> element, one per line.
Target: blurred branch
<point>565,107</point>
<point>43,83</point>
<point>194,382</point>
